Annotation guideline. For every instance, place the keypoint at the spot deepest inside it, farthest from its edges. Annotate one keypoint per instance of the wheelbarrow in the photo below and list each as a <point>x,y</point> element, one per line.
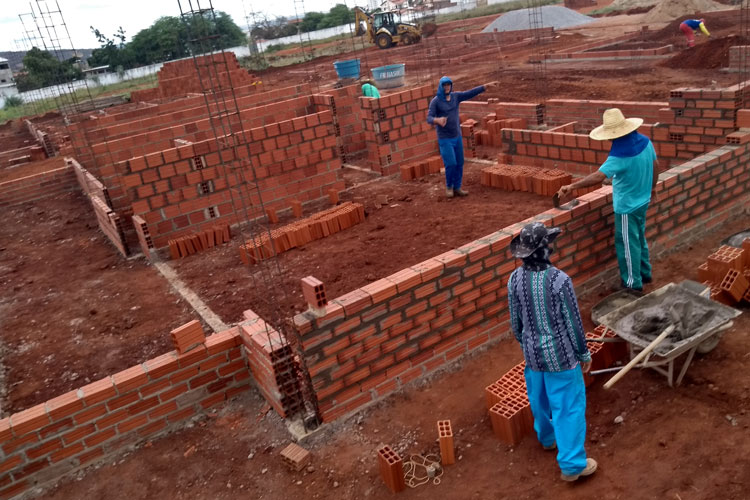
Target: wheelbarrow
<point>659,350</point>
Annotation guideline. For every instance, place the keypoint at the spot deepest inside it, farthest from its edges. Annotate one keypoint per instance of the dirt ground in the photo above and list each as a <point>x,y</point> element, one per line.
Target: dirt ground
<point>72,309</point>
<point>419,223</point>
<point>682,443</point>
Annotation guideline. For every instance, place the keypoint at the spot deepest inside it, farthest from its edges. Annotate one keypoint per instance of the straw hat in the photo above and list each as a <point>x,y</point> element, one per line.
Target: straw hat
<point>615,125</point>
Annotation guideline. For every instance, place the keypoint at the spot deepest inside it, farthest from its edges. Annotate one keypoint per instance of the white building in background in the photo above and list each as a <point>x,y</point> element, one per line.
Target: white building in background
<point>7,85</point>
<point>6,74</point>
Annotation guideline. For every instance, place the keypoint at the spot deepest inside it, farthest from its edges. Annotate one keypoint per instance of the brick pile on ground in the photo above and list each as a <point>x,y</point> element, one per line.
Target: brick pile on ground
<point>301,232</point>
<point>507,401</point>
<point>542,181</point>
<point>419,169</point>
<point>491,135</point>
<point>197,242</point>
<point>727,273</point>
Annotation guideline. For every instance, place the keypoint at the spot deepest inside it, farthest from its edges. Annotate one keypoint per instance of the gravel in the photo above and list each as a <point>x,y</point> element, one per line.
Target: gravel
<point>552,15</point>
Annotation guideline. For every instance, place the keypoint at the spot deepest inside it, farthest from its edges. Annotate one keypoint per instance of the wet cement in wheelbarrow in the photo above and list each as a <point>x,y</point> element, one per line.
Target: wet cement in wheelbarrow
<point>690,317</point>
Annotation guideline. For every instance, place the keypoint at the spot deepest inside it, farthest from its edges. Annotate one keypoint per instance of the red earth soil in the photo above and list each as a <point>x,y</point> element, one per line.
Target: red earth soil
<point>710,54</point>
<point>418,224</point>
<point>674,443</point>
<point>72,310</point>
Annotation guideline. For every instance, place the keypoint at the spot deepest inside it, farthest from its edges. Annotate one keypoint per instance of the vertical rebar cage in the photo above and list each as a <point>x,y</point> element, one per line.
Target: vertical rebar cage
<point>233,146</point>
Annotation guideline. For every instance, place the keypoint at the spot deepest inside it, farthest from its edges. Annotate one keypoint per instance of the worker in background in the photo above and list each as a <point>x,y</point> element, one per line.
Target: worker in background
<point>370,90</point>
<point>690,26</point>
<point>545,319</point>
<point>443,114</point>
<point>631,165</point>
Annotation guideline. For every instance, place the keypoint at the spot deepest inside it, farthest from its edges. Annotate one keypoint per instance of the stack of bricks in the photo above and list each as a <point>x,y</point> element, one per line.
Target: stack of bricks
<point>188,336</point>
<point>179,78</point>
<point>508,405</point>
<point>491,135</point>
<point>197,242</point>
<point>396,129</point>
<point>421,168</point>
<point>727,273</point>
<point>296,457</point>
<point>529,179</point>
<point>302,232</point>
<point>391,469</point>
<point>507,400</point>
<point>469,137</point>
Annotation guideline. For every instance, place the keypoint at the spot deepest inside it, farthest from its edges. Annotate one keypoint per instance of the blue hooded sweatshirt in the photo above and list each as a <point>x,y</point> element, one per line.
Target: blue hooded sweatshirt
<point>440,106</point>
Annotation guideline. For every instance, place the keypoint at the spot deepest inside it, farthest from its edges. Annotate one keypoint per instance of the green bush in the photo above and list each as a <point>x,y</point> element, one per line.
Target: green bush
<point>13,101</point>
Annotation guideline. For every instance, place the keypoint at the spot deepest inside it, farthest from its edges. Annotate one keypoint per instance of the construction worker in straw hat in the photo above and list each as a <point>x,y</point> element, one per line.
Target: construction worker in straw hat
<point>691,26</point>
<point>631,165</point>
<point>546,321</point>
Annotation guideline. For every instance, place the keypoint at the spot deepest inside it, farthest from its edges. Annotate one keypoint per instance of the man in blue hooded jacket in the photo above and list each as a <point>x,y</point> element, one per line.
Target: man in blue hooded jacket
<point>443,114</point>
<point>631,165</point>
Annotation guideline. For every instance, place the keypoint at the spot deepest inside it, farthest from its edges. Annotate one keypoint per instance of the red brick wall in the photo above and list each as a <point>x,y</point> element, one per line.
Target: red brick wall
<point>375,339</point>
<point>272,363</point>
<point>396,129</point>
<point>347,118</point>
<point>41,444</point>
<point>588,113</point>
<point>109,221</point>
<point>293,159</point>
<point>34,187</point>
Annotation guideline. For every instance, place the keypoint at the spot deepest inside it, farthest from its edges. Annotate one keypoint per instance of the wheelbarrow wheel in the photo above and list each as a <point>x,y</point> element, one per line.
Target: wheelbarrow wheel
<point>708,345</point>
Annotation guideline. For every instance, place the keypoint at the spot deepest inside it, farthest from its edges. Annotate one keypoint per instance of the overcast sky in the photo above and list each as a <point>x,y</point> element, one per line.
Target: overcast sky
<point>132,15</point>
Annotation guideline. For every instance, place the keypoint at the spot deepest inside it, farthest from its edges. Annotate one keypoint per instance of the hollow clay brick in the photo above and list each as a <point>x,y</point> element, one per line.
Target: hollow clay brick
<point>447,448</point>
<point>314,292</point>
<point>391,469</point>
<point>734,284</point>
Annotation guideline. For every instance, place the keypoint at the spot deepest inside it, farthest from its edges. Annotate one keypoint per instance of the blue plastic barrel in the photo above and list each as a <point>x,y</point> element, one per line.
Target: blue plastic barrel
<point>390,76</point>
<point>347,69</point>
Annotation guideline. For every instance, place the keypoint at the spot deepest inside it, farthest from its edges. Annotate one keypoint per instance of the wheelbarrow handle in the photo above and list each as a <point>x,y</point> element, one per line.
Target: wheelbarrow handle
<point>658,340</point>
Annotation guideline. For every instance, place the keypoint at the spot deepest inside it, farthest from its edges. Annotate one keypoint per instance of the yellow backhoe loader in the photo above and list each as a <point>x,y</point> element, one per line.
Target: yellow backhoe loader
<point>385,28</point>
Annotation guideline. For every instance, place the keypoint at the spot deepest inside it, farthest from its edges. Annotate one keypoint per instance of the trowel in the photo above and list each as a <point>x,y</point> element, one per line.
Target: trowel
<point>557,202</point>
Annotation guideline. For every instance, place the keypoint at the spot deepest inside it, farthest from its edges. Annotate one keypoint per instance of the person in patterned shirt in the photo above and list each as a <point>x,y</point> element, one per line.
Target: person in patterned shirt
<point>546,322</point>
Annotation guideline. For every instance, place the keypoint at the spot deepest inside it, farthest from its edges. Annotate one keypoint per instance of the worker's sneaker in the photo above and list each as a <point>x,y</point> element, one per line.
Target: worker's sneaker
<point>449,193</point>
<point>551,447</point>
<point>461,192</point>
<point>590,468</point>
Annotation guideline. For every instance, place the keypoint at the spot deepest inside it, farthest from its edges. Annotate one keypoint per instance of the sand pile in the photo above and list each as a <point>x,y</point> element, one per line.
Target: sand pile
<point>668,10</point>
<point>552,15</point>
<point>632,4</point>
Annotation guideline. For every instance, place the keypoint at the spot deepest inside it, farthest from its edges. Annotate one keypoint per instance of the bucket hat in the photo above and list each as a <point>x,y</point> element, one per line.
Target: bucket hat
<point>614,125</point>
<point>531,237</point>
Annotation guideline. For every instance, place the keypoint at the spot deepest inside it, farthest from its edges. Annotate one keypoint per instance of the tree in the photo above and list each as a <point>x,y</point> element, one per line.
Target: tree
<point>167,39</point>
<point>44,70</point>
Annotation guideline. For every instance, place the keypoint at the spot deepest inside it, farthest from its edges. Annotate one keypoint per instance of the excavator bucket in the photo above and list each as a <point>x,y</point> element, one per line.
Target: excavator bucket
<point>361,29</point>
<point>429,29</point>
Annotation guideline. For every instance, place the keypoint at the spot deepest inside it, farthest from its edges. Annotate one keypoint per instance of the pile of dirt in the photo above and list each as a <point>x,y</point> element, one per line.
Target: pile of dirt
<point>709,55</point>
<point>671,32</point>
<point>552,16</point>
<point>632,4</point>
<point>672,9</point>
